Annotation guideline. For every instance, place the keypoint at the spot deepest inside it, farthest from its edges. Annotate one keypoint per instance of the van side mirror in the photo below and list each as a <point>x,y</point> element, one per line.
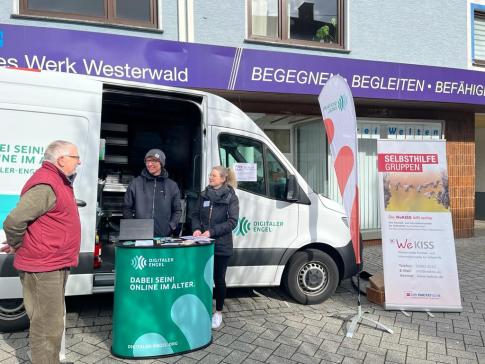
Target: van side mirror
<point>292,188</point>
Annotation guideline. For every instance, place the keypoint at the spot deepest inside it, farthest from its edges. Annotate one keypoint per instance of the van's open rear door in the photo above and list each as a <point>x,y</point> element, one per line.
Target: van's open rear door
<point>37,108</point>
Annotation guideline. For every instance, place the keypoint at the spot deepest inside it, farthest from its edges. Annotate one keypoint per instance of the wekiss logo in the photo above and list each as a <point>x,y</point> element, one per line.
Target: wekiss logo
<point>412,244</point>
<point>342,102</point>
<point>138,262</point>
<point>243,227</point>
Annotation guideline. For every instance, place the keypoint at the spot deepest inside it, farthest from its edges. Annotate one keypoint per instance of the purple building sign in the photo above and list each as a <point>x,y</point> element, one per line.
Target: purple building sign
<point>206,66</point>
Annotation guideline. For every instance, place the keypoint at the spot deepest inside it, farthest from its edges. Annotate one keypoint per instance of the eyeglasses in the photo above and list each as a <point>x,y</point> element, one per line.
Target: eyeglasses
<point>152,161</point>
<point>73,156</point>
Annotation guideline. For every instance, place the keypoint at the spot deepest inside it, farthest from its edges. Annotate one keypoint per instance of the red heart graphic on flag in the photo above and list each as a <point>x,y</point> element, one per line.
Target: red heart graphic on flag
<point>344,163</point>
<point>330,129</point>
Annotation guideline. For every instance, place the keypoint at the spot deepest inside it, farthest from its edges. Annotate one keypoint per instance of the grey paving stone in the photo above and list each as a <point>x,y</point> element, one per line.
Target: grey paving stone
<point>441,358</point>
<point>225,339</point>
<point>242,346</point>
<point>393,346</point>
<point>285,351</point>
<point>352,361</point>
<point>266,343</point>
<point>412,342</point>
<point>461,354</point>
<point>417,352</point>
<point>288,341</point>
<point>248,337</point>
<point>436,348</point>
<point>236,357</point>
<point>273,359</point>
<point>351,353</point>
<point>261,354</point>
<point>374,359</point>
<point>372,349</point>
<point>212,359</point>
<point>395,356</point>
<point>219,350</point>
<point>291,332</point>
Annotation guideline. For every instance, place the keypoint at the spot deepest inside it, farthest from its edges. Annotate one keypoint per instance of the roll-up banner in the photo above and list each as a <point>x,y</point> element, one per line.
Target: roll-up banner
<point>418,247</point>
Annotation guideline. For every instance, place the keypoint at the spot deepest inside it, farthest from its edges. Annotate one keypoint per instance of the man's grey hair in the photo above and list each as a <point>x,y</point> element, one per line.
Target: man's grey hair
<point>57,149</point>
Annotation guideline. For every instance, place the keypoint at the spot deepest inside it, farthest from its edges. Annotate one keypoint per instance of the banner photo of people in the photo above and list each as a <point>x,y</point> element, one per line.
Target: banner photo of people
<point>418,247</point>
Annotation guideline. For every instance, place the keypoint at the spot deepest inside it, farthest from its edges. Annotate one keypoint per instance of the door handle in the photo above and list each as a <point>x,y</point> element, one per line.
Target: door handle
<point>81,203</point>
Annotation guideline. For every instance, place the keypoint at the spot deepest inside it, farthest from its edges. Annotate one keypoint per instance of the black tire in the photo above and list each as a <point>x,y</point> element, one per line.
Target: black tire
<point>13,316</point>
<point>311,276</point>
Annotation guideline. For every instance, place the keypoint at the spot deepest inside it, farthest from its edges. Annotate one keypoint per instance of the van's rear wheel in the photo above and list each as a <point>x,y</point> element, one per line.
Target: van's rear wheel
<point>311,276</point>
<point>12,315</point>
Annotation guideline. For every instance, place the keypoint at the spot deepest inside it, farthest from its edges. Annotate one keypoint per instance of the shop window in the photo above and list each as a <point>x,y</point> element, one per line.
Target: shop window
<point>140,13</point>
<point>281,138</point>
<point>479,37</point>
<point>317,23</point>
<point>236,149</point>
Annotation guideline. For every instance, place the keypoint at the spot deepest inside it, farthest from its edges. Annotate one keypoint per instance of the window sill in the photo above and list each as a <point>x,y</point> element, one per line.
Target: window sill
<point>85,22</point>
<point>294,45</point>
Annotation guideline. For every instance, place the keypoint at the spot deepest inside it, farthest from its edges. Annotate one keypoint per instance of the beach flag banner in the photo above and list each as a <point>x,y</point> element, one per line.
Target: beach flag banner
<point>338,111</point>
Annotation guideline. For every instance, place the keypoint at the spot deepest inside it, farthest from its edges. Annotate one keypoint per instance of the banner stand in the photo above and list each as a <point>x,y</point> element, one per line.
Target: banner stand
<point>338,111</point>
<point>360,316</point>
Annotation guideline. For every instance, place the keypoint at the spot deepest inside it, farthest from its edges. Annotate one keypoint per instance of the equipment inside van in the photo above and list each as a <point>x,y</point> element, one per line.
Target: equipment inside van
<point>286,234</point>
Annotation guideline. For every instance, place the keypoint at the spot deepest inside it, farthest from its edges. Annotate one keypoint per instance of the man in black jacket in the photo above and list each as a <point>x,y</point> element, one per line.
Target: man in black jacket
<point>153,195</point>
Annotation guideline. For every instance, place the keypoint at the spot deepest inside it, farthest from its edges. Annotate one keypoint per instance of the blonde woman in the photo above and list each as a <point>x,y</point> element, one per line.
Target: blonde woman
<point>215,217</point>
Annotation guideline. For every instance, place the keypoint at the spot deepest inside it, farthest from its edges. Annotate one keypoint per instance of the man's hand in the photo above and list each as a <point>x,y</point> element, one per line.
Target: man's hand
<point>7,248</point>
<point>206,234</point>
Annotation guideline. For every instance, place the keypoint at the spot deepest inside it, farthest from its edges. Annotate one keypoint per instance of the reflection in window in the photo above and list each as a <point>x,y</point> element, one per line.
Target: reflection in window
<point>136,10</point>
<point>277,177</point>
<point>314,20</point>
<point>306,22</point>
<point>85,7</point>
<point>139,13</point>
<point>265,18</point>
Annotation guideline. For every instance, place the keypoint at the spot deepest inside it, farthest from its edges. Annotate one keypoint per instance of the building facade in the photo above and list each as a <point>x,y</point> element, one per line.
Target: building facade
<point>415,72</point>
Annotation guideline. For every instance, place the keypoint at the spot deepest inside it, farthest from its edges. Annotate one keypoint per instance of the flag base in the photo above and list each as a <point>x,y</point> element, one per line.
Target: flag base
<point>360,316</point>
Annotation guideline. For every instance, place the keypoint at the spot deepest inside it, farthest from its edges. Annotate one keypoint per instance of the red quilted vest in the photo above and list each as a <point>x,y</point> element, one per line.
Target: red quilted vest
<point>53,240</point>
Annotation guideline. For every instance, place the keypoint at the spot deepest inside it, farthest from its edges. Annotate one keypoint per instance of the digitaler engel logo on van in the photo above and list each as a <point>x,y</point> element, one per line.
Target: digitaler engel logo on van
<point>138,262</point>
<point>243,227</point>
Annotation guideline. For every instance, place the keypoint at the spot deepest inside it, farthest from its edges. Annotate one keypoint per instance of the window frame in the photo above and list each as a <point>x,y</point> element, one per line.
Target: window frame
<point>477,13</point>
<point>283,30</point>
<point>264,151</point>
<point>109,19</point>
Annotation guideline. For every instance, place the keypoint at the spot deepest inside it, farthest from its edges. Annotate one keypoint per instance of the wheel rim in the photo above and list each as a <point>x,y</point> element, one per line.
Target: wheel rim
<point>11,309</point>
<point>312,278</point>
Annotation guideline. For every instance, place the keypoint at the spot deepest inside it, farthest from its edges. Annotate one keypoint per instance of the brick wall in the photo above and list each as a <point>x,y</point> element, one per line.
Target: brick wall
<point>460,151</point>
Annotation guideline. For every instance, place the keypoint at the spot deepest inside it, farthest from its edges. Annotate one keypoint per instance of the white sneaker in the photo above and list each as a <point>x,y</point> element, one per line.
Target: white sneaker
<point>216,320</point>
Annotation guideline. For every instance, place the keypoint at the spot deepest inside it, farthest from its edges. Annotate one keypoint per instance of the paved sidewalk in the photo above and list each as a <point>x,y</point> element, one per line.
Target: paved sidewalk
<point>264,325</point>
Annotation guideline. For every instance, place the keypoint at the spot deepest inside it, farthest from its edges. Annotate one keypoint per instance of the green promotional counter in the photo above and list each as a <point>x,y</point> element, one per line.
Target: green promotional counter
<point>162,299</point>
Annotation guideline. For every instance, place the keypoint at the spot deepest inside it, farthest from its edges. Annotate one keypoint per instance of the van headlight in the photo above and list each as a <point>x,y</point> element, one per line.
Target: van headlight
<point>345,220</point>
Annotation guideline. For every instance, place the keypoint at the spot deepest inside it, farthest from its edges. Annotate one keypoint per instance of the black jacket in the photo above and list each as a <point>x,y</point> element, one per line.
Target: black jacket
<point>154,197</point>
<point>218,212</point>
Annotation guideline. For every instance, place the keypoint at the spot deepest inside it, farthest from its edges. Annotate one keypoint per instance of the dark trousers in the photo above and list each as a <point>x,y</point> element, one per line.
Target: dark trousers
<point>220,267</point>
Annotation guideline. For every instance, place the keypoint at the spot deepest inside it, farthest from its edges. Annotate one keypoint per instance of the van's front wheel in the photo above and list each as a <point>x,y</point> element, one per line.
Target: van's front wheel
<point>12,315</point>
<point>311,276</point>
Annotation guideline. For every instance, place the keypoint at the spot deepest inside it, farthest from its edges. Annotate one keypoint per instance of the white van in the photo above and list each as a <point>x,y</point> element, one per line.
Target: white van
<point>286,234</point>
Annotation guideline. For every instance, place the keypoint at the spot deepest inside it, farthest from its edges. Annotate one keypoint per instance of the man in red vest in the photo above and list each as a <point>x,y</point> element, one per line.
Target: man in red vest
<point>44,233</point>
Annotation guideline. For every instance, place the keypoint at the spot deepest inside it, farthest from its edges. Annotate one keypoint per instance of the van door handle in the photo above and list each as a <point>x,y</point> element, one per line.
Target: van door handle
<point>81,203</point>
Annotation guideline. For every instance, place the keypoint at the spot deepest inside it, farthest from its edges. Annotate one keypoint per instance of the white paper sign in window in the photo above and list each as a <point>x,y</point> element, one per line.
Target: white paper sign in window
<point>246,172</point>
